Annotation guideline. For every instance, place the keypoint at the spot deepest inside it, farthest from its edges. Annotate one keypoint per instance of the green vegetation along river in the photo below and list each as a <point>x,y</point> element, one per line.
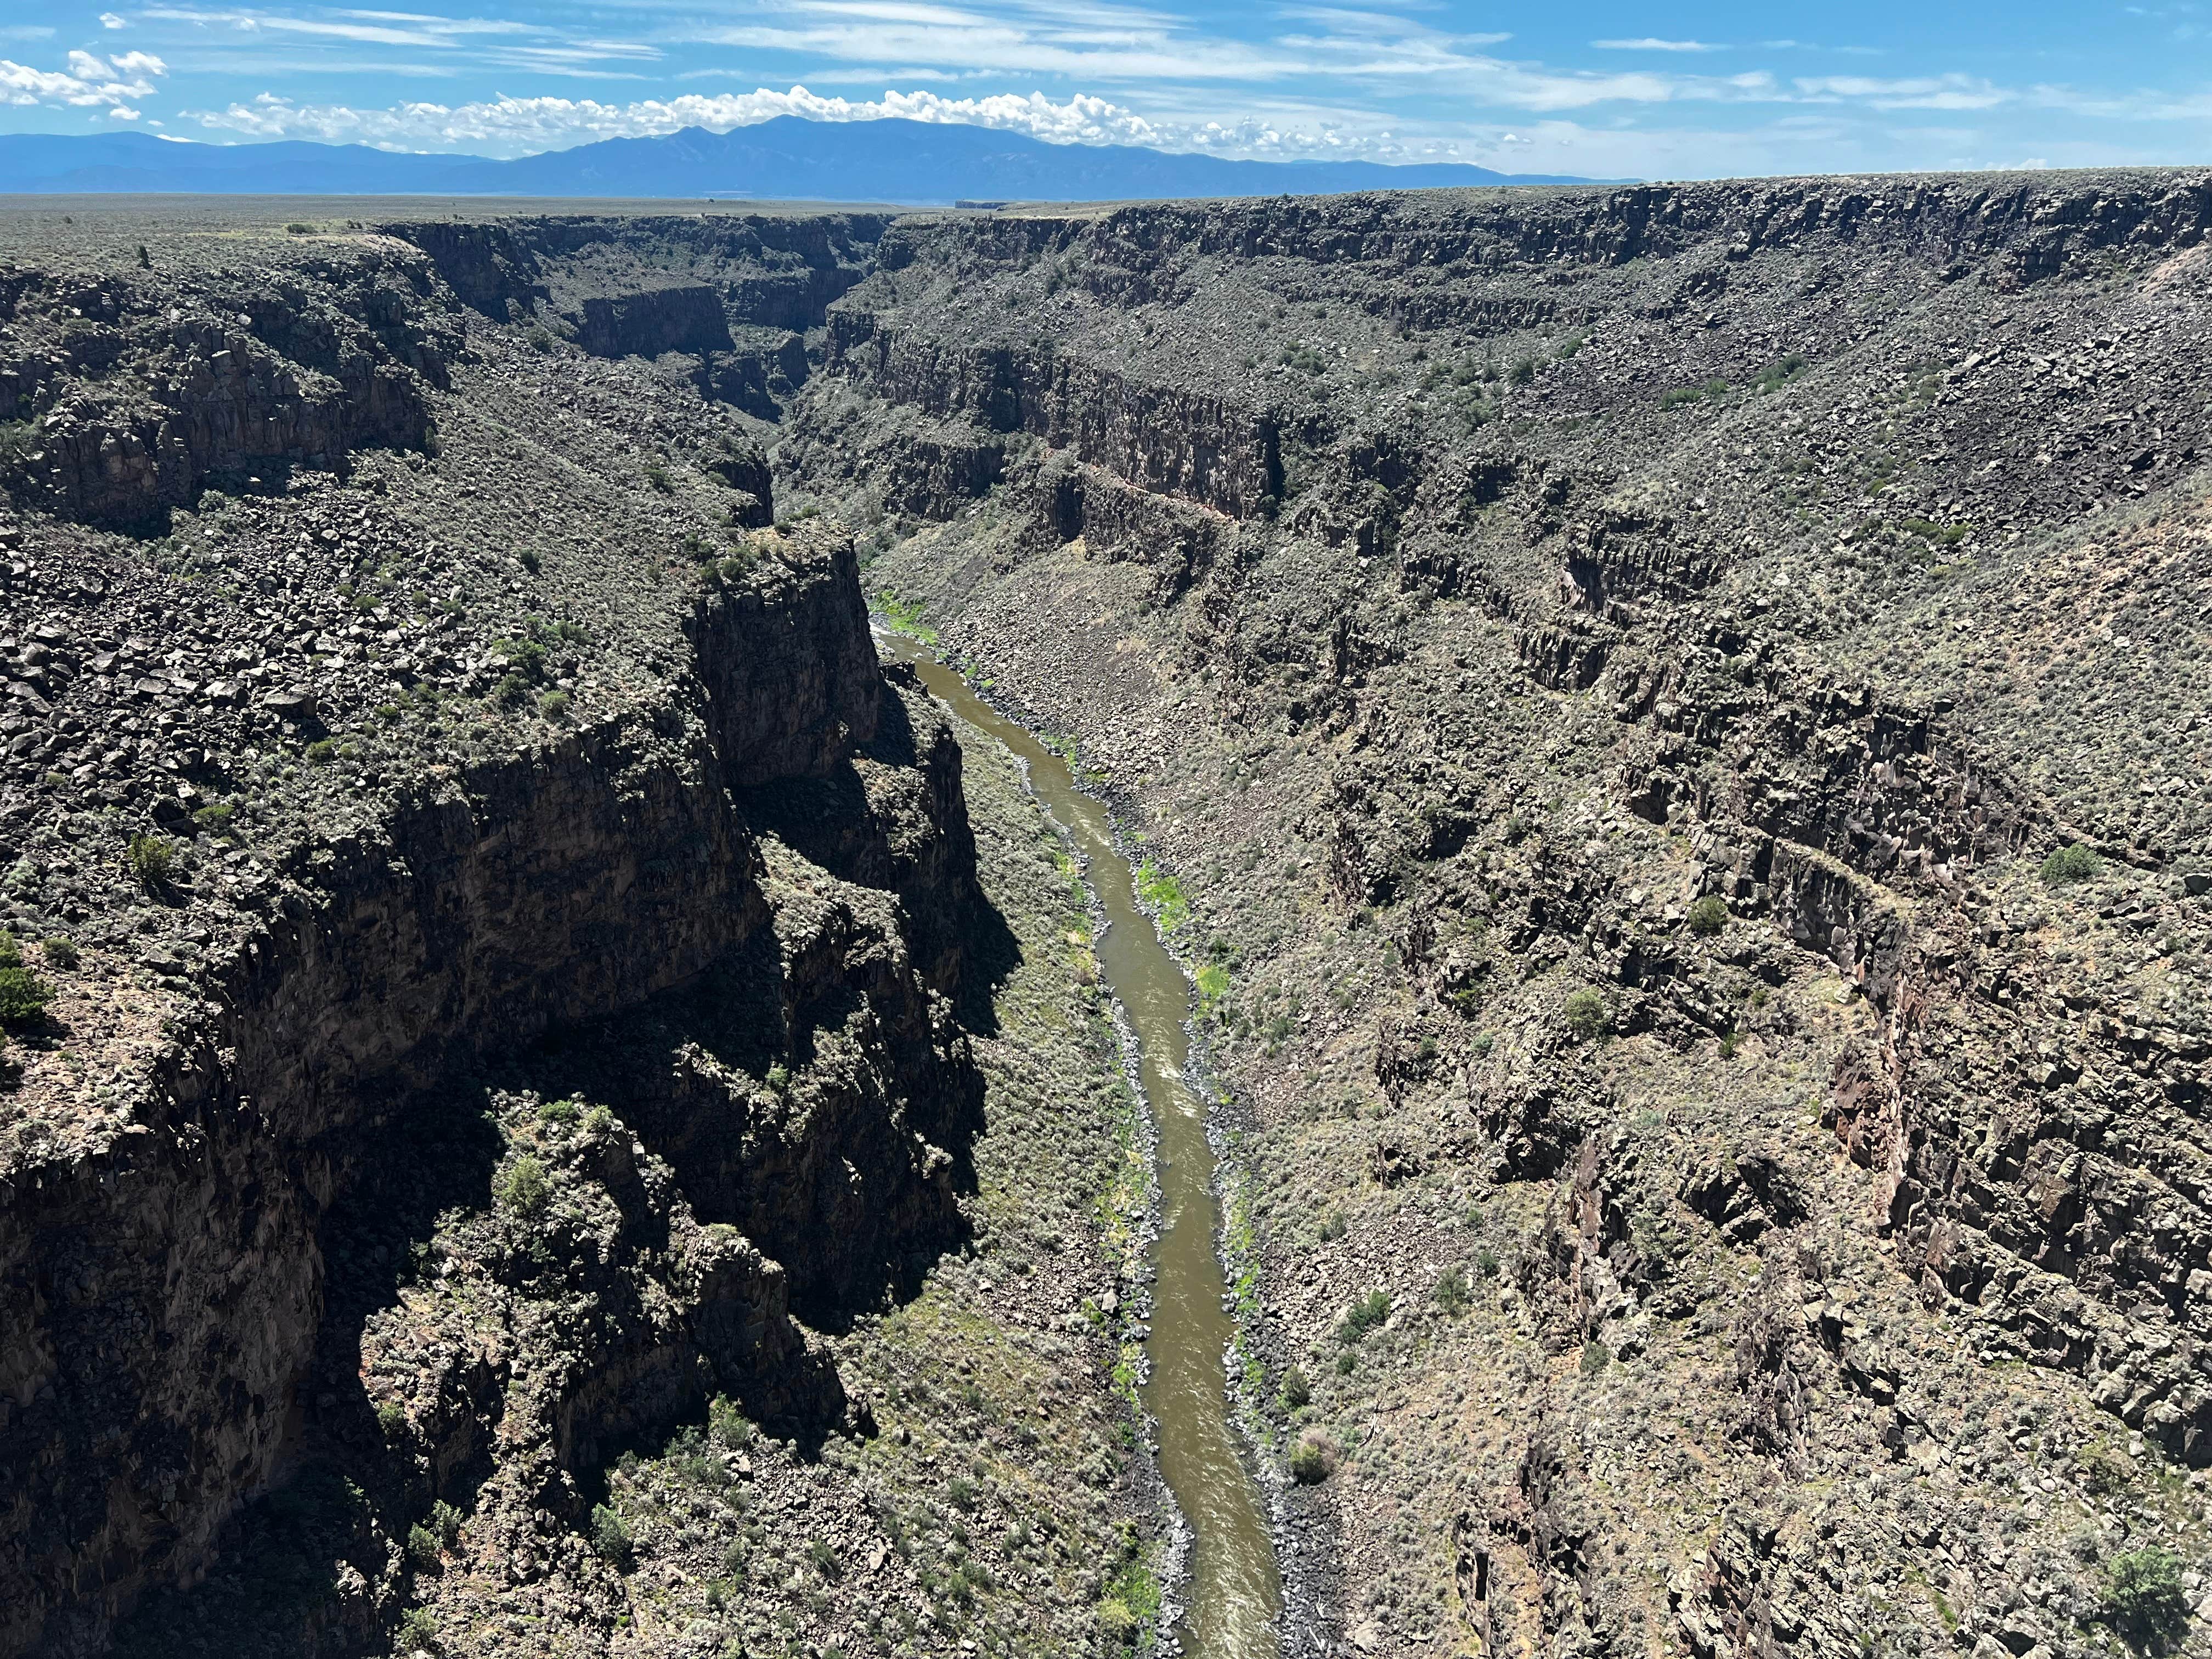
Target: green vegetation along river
<point>1234,1596</point>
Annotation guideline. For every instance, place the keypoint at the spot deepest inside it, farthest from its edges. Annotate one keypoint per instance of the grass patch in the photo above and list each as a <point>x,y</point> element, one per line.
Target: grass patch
<point>1776,375</point>
<point>903,616</point>
<point>1129,1608</point>
<point>1162,894</point>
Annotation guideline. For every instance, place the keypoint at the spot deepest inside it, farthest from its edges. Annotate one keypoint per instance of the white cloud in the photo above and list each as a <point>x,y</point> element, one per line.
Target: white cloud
<point>1817,136</point>
<point>1650,44</point>
<point>123,112</point>
<point>369,27</point>
<point>1919,92</point>
<point>524,126</point>
<point>90,83</point>
<point>109,20</point>
<point>1124,45</point>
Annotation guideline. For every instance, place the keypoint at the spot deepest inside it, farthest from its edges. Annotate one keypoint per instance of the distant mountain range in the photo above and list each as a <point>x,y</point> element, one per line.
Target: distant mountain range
<point>786,159</point>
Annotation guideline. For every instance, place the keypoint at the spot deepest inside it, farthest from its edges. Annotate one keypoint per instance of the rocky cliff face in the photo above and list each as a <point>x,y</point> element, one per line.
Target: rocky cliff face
<point>128,395</point>
<point>632,286</point>
<point>1609,669</point>
<point>521,833</point>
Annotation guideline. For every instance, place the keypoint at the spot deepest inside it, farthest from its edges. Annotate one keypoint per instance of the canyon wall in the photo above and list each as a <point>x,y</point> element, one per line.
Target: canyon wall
<point>593,845</point>
<point>1597,657</point>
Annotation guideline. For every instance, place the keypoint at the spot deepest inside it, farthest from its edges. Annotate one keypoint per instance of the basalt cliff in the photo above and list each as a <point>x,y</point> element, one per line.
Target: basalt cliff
<point>1669,725</point>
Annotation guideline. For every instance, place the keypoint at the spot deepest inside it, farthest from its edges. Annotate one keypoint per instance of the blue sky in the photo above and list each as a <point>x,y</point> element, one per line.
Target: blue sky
<point>1627,89</point>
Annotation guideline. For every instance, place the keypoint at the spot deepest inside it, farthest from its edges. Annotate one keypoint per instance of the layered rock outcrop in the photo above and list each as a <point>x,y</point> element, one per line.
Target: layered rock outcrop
<point>1630,744</point>
<point>127,406</point>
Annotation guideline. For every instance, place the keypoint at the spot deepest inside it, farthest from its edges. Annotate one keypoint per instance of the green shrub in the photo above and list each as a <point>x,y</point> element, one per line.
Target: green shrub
<point>2143,1597</point>
<point>1296,1391</point>
<point>1309,1461</point>
<point>525,1189</point>
<point>423,1546</point>
<point>1363,1317</point>
<point>610,1536</point>
<point>554,705</point>
<point>1522,372</point>
<point>446,1522</point>
<point>523,657</point>
<point>1585,1015</point>
<point>1347,1361</point>
<point>1486,1263</point>
<point>1776,375</point>
<point>1709,915</point>
<point>62,952</point>
<point>299,227</point>
<point>418,1629</point>
<point>392,1419</point>
<point>2071,863</point>
<point>1451,1290</point>
<point>1595,1357</point>
<point>726,1426</point>
<point>824,1558</point>
<point>657,475</point>
<point>23,995</point>
<point>151,858</point>
<point>322,752</point>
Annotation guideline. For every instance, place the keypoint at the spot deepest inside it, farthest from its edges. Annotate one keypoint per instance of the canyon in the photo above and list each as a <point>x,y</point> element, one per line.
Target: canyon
<point>554,1103</point>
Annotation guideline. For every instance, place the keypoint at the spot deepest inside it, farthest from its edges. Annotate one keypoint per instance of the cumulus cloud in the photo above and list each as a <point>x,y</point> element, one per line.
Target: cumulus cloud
<point>90,83</point>
<point>109,20</point>
<point>524,126</point>
<point>1279,128</point>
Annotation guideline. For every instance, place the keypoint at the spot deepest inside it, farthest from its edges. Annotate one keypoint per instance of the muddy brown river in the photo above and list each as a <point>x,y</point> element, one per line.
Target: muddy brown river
<point>1234,1596</point>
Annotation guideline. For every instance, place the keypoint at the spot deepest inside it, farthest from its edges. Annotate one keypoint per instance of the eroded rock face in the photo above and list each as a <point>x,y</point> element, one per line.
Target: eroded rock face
<point>134,393</point>
<point>1623,732</point>
<point>166,1290</point>
<point>563,875</point>
<point>624,287</point>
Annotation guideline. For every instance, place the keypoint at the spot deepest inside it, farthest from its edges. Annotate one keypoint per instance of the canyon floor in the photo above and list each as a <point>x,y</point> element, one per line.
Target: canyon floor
<point>1670,725</point>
